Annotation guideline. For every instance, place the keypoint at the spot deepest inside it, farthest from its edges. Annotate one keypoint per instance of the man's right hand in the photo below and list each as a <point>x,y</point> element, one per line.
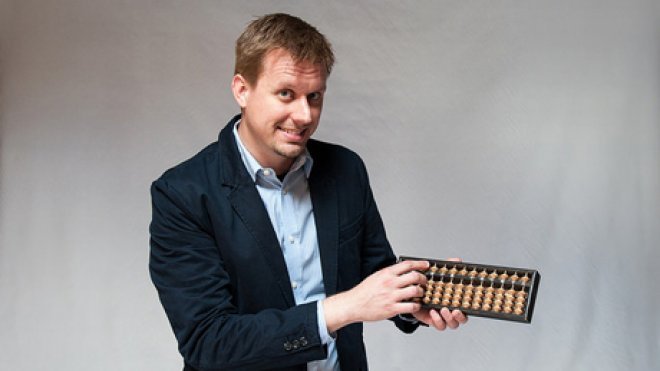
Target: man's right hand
<point>382,295</point>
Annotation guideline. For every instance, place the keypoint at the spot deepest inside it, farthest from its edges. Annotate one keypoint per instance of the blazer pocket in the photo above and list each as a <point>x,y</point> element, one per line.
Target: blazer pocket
<point>351,230</point>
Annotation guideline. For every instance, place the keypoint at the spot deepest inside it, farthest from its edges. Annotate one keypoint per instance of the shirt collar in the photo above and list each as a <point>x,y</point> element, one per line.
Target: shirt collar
<point>253,167</point>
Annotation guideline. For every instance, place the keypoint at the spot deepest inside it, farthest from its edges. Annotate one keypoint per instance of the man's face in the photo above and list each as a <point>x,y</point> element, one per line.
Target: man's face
<point>281,110</point>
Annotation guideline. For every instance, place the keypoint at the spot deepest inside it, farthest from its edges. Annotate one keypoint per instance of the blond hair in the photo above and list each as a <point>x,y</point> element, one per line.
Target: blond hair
<point>274,31</point>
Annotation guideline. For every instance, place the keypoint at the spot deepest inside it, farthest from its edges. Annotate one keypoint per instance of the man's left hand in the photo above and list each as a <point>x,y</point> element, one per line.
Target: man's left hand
<point>442,319</point>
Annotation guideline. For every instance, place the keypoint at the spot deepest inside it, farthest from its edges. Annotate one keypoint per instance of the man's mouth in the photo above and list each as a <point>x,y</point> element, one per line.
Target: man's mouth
<point>294,135</point>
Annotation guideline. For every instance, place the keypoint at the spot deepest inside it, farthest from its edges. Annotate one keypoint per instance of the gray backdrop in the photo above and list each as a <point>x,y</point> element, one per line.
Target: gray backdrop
<point>520,133</point>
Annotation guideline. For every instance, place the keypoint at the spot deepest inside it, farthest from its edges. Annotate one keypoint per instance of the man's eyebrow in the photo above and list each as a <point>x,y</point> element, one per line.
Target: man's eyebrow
<point>291,86</point>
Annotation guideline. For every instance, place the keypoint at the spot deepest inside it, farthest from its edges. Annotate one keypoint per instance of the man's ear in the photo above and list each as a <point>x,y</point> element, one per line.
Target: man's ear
<point>240,89</point>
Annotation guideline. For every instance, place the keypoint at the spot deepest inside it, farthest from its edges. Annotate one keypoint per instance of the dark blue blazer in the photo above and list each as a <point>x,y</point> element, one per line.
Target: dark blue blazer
<point>220,273</point>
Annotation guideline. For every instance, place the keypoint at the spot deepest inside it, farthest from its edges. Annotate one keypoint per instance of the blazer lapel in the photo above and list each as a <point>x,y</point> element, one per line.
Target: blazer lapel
<point>247,203</point>
<point>323,192</point>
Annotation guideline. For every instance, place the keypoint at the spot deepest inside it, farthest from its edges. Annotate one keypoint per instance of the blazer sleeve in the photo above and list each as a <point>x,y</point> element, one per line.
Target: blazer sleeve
<point>195,291</point>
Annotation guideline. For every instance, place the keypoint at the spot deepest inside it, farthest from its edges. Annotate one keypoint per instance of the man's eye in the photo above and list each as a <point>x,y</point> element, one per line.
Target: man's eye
<point>314,96</point>
<point>285,94</point>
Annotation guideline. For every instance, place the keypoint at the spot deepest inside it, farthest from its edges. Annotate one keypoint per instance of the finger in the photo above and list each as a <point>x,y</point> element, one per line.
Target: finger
<point>455,259</point>
<point>409,292</point>
<point>406,307</point>
<point>409,265</point>
<point>411,278</point>
<point>459,316</point>
<point>437,320</point>
<point>449,319</point>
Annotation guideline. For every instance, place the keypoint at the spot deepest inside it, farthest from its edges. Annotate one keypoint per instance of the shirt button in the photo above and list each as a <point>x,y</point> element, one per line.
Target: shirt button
<point>294,284</point>
<point>292,239</point>
<point>267,172</point>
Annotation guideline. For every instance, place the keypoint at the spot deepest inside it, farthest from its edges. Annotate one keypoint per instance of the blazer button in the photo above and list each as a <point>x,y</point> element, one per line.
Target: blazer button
<point>287,346</point>
<point>303,341</point>
<point>296,344</point>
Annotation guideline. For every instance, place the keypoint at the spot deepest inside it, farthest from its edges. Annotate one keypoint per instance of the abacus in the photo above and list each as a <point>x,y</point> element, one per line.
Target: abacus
<point>480,290</point>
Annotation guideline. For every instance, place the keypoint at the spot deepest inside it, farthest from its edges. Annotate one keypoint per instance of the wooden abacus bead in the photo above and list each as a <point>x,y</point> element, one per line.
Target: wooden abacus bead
<point>483,274</point>
<point>496,308</point>
<point>489,294</point>
<point>518,311</point>
<point>434,268</point>
<point>445,302</point>
<point>524,279</point>
<point>437,294</point>
<point>473,273</point>
<point>426,300</point>
<point>518,305</point>
<point>507,310</point>
<point>520,300</point>
<point>463,272</point>
<point>485,306</point>
<point>453,270</point>
<point>521,294</point>
<point>466,304</point>
<point>476,305</point>
<point>477,300</point>
<point>456,303</point>
<point>493,275</point>
<point>514,278</point>
<point>443,270</point>
<point>503,276</point>
<point>435,301</point>
<point>488,301</point>
<point>497,302</point>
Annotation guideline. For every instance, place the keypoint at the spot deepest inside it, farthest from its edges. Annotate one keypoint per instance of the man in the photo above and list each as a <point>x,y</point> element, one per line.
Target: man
<point>267,249</point>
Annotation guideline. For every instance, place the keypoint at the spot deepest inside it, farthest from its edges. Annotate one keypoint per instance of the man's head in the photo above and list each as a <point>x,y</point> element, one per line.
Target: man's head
<point>280,31</point>
<point>282,64</point>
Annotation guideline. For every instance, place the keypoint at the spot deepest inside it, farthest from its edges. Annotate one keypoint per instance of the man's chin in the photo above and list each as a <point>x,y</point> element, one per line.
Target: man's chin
<point>291,151</point>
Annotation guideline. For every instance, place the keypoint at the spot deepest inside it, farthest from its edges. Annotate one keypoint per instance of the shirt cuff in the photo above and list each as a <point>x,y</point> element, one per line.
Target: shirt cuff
<point>409,318</point>
<point>323,328</point>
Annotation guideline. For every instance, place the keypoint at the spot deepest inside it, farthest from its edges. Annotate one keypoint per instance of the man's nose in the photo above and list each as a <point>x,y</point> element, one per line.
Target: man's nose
<point>302,114</point>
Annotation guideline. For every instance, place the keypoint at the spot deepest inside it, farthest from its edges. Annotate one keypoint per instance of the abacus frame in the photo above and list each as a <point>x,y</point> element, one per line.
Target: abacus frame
<point>530,286</point>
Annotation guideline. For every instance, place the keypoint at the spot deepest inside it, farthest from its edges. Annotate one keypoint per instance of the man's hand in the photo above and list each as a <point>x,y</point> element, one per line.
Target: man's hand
<point>382,295</point>
<point>441,320</point>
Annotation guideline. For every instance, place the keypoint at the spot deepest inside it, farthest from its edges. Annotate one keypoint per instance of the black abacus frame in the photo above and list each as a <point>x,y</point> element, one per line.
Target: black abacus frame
<point>532,285</point>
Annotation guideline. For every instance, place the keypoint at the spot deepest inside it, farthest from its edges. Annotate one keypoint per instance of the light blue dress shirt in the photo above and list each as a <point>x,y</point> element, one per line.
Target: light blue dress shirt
<point>289,207</point>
